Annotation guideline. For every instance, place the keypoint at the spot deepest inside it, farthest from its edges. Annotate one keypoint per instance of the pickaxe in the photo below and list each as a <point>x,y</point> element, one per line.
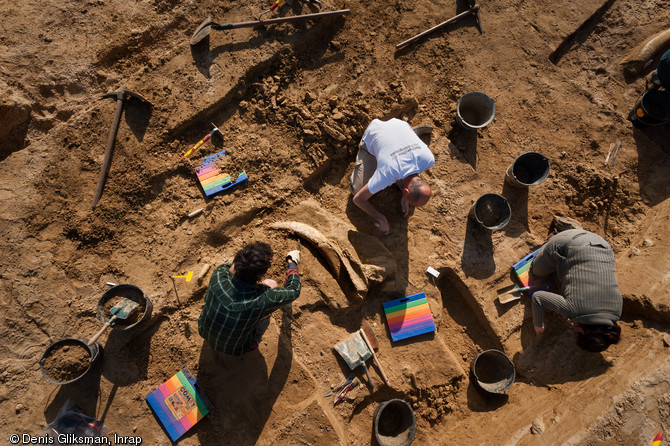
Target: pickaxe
<point>474,9</point>
<point>121,95</point>
<point>208,25</point>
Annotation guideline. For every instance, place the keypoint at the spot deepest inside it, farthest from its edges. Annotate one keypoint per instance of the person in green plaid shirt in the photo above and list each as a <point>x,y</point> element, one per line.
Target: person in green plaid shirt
<point>238,307</point>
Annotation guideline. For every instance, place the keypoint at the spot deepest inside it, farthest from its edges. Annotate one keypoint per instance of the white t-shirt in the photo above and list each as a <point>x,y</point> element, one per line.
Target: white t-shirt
<point>399,152</point>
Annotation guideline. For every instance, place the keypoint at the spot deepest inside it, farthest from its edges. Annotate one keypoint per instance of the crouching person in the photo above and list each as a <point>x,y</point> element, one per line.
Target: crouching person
<point>590,297</point>
<point>238,305</point>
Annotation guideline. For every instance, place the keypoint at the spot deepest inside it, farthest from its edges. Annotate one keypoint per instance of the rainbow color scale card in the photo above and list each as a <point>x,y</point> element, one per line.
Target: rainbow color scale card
<point>409,316</point>
<point>522,271</point>
<point>213,176</point>
<point>178,403</point>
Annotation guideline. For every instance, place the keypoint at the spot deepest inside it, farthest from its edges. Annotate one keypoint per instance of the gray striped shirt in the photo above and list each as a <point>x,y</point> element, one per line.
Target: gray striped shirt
<point>585,266</point>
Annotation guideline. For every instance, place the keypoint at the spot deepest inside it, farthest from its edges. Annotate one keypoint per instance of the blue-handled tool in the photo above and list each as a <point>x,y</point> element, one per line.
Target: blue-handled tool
<point>515,293</point>
<point>341,386</point>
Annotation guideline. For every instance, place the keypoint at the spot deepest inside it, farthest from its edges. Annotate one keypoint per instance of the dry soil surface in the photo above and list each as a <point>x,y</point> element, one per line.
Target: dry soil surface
<point>292,102</point>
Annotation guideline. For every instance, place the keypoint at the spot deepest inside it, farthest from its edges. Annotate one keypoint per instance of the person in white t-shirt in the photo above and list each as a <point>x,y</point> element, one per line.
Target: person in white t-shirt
<point>391,152</point>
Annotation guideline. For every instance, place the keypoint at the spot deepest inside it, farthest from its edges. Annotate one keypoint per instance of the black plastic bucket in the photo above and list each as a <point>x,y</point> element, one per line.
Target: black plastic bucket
<point>93,352</point>
<point>394,423</point>
<point>529,169</point>
<point>491,211</point>
<point>653,108</point>
<point>475,110</point>
<point>133,293</point>
<point>493,371</point>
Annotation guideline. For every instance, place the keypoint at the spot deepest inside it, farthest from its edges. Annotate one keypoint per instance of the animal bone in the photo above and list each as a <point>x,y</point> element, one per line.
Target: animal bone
<point>640,57</point>
<point>335,256</point>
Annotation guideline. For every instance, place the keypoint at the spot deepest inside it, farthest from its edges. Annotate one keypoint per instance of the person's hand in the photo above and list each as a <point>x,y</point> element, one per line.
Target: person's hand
<point>294,255</point>
<point>270,283</point>
<point>383,225</point>
<point>404,206</point>
<point>539,330</point>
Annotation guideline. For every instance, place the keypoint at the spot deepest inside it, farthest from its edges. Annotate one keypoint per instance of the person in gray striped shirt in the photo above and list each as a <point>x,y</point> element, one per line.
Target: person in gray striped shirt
<point>238,307</point>
<point>584,264</point>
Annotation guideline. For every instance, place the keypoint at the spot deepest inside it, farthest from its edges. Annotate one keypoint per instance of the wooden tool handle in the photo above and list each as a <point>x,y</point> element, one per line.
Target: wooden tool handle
<point>436,27</point>
<point>109,151</point>
<point>289,19</point>
<point>102,330</point>
<point>374,357</point>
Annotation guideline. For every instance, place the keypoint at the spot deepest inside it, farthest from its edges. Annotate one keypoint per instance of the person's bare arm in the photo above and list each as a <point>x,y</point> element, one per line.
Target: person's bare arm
<point>404,206</point>
<point>361,199</point>
<point>545,300</point>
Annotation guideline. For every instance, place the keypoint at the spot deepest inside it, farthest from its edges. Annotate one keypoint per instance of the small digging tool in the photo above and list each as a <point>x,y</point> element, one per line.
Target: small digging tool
<point>121,95</point>
<point>279,3</point>
<point>515,293</point>
<point>206,27</point>
<point>274,6</point>
<point>512,295</point>
<point>474,9</point>
<point>121,310</point>
<point>202,141</point>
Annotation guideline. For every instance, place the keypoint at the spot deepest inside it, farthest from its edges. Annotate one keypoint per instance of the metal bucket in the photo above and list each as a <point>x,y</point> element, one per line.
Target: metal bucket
<point>92,350</point>
<point>528,169</point>
<point>475,110</point>
<point>131,292</point>
<point>653,108</point>
<point>394,423</point>
<point>492,211</point>
<point>493,371</point>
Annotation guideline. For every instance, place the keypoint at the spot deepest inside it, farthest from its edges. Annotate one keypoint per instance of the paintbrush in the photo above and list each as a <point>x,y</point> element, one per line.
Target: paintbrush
<point>609,153</point>
<point>616,151</point>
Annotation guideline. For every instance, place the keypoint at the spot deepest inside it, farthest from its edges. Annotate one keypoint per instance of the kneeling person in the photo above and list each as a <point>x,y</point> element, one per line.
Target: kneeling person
<point>584,263</point>
<point>238,307</point>
<point>391,152</point>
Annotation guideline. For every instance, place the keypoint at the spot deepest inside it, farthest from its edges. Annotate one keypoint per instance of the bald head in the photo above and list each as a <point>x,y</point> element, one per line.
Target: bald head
<point>417,191</point>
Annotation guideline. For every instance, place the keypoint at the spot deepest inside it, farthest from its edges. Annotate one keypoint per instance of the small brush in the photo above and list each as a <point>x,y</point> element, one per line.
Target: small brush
<point>615,152</point>
<point>371,340</point>
<point>609,153</point>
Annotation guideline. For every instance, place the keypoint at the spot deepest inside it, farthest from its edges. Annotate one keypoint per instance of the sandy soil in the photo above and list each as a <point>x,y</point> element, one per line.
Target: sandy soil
<point>292,101</point>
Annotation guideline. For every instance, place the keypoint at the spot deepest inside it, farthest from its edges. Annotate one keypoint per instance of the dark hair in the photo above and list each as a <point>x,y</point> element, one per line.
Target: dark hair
<point>252,261</point>
<point>596,338</point>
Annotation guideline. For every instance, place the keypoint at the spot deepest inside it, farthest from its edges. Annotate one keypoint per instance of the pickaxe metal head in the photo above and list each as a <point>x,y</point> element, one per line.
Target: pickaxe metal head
<point>122,94</point>
<point>216,129</point>
<point>474,7</point>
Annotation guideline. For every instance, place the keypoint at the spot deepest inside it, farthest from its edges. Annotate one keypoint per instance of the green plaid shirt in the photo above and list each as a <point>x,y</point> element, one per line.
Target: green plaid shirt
<point>233,308</point>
